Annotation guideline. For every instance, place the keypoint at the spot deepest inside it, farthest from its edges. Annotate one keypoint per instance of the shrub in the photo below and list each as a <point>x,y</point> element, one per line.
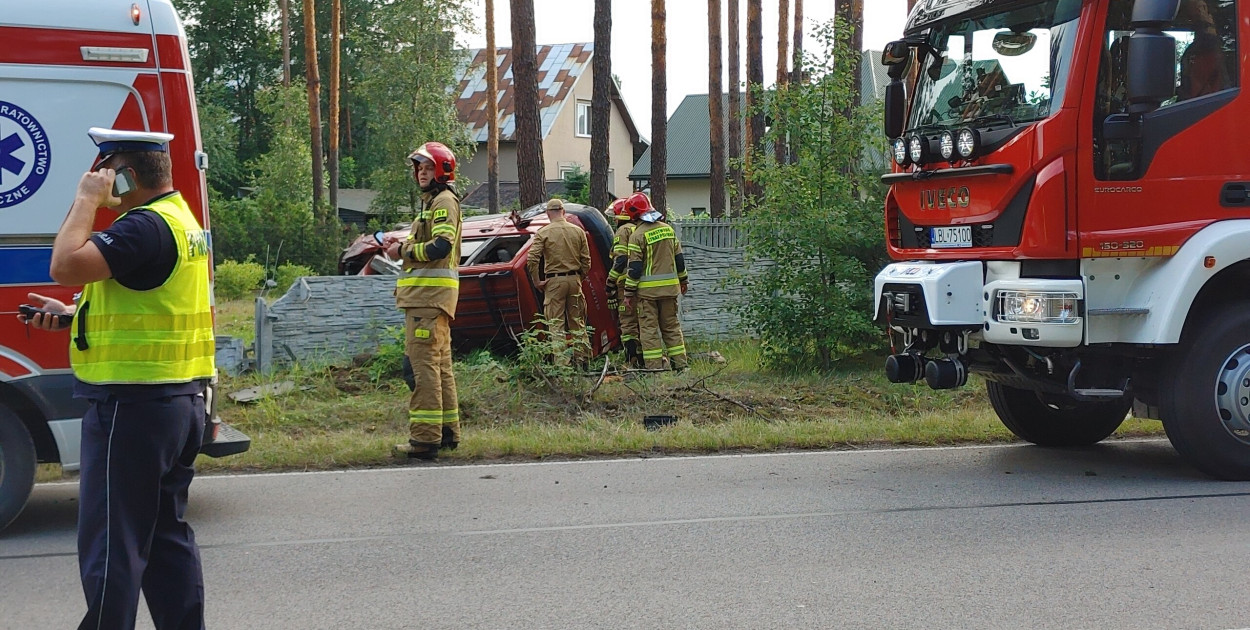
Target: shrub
<point>286,274</point>
<point>234,280</point>
<point>819,220</point>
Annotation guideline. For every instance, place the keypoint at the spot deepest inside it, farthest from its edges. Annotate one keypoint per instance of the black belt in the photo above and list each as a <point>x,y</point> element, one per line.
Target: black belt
<point>564,273</point>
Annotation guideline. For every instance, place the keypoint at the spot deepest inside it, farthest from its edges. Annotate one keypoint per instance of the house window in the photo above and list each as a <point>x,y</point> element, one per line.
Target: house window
<point>583,119</point>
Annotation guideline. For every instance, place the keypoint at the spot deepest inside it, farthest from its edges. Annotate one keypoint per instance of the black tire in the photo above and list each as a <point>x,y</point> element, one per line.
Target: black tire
<point>17,466</point>
<point>1057,421</point>
<point>1206,406</point>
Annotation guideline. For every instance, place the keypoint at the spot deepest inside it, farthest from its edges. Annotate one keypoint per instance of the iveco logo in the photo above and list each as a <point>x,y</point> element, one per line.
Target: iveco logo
<point>945,198</point>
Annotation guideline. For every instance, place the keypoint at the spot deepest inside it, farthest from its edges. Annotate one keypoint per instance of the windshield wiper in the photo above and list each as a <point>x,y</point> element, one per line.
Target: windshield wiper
<point>980,120</point>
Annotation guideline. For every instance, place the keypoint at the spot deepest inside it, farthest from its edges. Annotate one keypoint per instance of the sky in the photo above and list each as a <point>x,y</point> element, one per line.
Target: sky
<point>569,21</point>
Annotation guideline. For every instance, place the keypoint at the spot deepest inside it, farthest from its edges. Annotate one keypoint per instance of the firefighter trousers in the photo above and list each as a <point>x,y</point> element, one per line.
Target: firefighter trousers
<point>564,307</point>
<point>660,332</point>
<point>628,318</point>
<point>432,408</point>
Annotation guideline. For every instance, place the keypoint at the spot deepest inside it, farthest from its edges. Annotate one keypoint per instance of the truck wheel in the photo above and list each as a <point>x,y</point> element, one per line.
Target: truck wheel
<point>1206,406</point>
<point>17,466</point>
<point>1059,422</point>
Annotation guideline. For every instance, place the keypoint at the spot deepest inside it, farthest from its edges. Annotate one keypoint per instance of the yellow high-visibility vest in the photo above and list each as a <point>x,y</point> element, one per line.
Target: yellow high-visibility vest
<point>162,335</point>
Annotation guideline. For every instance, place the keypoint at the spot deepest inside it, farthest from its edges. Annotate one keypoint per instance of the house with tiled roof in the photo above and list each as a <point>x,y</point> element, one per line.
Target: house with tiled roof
<point>565,89</point>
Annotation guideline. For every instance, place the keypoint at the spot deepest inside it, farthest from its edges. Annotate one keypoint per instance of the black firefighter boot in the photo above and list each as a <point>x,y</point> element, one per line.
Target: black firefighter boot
<point>448,441</point>
<point>633,357</point>
<point>417,450</point>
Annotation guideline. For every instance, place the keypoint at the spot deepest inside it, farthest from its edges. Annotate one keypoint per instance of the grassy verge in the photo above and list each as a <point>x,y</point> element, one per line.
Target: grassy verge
<point>347,416</point>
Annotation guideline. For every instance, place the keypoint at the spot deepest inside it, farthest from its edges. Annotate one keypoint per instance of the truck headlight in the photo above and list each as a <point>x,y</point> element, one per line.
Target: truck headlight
<point>967,142</point>
<point>946,145</point>
<point>899,147</point>
<point>918,149</point>
<point>1037,307</point>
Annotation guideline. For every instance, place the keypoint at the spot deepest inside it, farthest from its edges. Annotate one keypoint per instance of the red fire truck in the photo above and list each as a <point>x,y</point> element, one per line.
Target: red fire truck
<point>67,66</point>
<point>1070,216</point>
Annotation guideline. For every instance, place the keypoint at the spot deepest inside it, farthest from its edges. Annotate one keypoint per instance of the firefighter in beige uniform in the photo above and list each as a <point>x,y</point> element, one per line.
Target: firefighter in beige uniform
<point>427,290</point>
<point>616,278</point>
<point>560,248</point>
<point>657,274</point>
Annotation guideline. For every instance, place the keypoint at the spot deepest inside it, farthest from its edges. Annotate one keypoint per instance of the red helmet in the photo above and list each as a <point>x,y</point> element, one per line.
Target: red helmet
<point>637,205</point>
<point>443,159</point>
<point>616,210</point>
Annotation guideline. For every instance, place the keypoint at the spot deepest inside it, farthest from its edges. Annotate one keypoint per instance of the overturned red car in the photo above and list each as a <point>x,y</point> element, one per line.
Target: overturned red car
<point>497,300</point>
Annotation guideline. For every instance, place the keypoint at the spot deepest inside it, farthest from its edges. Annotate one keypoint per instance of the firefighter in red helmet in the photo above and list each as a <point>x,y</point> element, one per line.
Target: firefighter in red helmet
<point>627,315</point>
<point>656,276</point>
<point>427,290</point>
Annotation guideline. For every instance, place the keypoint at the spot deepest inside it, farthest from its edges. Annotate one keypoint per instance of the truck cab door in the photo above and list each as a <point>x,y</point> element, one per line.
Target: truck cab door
<point>1153,179</point>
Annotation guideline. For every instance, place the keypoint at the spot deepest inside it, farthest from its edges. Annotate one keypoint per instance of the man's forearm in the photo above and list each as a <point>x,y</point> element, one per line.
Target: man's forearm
<point>74,233</point>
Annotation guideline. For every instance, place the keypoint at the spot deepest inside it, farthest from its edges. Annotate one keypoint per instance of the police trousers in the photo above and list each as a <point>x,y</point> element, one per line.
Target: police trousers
<point>137,462</point>
<point>432,407</point>
<point>564,306</point>
<point>660,332</point>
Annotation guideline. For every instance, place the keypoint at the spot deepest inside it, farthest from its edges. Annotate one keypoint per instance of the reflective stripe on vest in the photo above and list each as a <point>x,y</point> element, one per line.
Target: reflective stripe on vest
<point>428,277</point>
<point>162,335</point>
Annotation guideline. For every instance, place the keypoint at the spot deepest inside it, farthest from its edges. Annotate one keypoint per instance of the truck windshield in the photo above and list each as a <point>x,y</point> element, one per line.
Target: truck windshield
<point>1004,68</point>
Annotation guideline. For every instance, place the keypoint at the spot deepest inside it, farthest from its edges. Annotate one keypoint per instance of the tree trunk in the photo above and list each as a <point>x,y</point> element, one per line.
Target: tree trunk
<point>531,171</point>
<point>715,111</point>
<point>285,8</point>
<point>796,69</point>
<point>755,85</point>
<point>336,18</point>
<point>910,4</point>
<point>492,113</point>
<point>313,79</point>
<point>601,106</point>
<point>852,12</point>
<point>735,110</point>
<point>659,108</point>
<point>783,74</point>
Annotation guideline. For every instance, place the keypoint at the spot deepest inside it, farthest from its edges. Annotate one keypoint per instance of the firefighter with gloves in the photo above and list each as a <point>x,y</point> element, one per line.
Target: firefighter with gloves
<point>427,291</point>
<point>656,276</point>
<point>627,316</point>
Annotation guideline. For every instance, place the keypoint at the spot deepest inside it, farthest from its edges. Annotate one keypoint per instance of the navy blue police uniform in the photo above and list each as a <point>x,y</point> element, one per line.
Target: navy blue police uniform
<point>139,444</point>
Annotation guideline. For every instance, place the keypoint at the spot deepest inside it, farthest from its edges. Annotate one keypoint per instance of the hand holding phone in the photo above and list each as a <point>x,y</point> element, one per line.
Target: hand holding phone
<point>29,312</point>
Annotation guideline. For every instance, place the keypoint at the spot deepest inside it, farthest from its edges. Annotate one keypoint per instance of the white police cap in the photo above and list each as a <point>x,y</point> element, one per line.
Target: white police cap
<point>111,141</point>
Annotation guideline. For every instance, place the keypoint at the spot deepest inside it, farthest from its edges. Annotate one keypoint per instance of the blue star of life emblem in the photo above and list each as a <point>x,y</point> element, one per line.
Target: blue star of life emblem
<point>25,155</point>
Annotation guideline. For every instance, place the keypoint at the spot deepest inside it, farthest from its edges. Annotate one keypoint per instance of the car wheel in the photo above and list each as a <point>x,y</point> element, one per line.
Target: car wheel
<point>1056,421</point>
<point>17,466</point>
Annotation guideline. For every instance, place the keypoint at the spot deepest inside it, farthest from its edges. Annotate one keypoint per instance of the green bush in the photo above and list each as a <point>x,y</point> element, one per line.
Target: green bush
<point>235,280</point>
<point>819,220</point>
<point>287,273</point>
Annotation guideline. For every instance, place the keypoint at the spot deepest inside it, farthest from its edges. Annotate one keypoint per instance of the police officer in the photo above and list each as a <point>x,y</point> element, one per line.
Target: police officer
<point>142,351</point>
<point>558,260</point>
<point>628,316</point>
<point>657,274</point>
<point>427,290</point>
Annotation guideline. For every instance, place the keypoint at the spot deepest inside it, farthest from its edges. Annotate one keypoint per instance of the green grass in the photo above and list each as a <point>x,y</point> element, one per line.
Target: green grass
<point>346,418</point>
<point>236,318</point>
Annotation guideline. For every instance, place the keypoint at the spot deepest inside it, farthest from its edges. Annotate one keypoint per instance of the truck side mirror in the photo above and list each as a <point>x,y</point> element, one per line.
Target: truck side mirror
<point>895,102</point>
<point>1154,11</point>
<point>1151,70</point>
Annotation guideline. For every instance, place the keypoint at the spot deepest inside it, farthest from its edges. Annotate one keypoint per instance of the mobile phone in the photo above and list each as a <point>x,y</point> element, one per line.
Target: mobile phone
<point>28,311</point>
<point>123,183</point>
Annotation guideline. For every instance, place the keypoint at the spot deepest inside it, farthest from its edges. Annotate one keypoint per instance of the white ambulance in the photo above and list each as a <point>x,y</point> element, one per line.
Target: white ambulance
<point>66,66</point>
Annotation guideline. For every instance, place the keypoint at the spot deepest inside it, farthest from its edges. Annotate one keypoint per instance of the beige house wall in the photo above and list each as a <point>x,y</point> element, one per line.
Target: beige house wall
<point>685,194</point>
<point>564,148</point>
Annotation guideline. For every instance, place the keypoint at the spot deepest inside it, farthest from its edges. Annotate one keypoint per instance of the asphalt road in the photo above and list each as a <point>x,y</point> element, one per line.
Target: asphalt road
<point>1122,535</point>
